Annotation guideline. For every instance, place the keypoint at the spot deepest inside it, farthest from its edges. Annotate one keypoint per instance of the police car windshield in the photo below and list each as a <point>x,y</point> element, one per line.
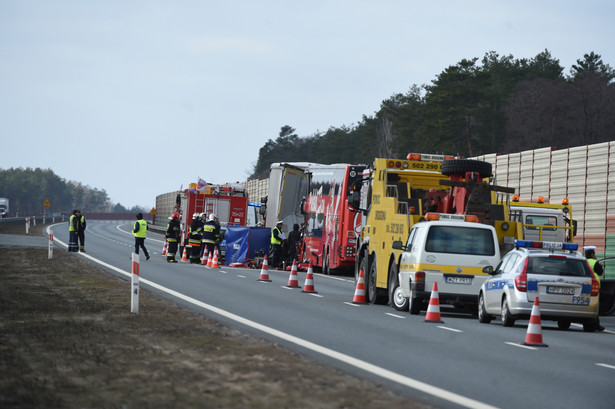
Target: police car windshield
<point>558,266</point>
<point>460,240</point>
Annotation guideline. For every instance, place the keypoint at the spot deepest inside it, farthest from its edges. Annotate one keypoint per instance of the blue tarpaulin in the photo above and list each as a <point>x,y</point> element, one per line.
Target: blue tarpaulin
<point>243,243</point>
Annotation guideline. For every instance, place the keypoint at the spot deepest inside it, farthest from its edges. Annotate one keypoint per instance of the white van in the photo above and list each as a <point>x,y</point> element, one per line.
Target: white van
<point>451,252</point>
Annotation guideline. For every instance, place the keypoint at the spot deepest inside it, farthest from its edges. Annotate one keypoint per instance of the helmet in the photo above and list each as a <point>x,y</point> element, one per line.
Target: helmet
<point>212,217</point>
<point>175,216</point>
<point>195,216</point>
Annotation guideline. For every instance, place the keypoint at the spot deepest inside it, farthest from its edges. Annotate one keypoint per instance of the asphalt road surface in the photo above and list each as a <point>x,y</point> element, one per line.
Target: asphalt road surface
<point>457,363</point>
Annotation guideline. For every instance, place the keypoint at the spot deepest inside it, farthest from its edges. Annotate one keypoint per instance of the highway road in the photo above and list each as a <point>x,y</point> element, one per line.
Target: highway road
<point>457,363</point>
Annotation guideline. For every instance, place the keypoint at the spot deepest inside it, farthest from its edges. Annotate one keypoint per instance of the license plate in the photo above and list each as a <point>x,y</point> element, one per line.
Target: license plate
<point>552,245</point>
<point>458,280</point>
<point>560,290</point>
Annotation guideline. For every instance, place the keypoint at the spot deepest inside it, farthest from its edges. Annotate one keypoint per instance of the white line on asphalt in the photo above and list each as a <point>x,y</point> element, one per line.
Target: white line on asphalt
<point>519,345</point>
<point>316,295</point>
<point>240,276</point>
<point>606,365</point>
<point>395,315</point>
<point>351,304</point>
<point>449,329</point>
<point>341,357</point>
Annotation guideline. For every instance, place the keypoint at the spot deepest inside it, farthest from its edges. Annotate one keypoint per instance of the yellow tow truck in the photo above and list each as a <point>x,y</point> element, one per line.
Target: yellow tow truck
<point>395,194</point>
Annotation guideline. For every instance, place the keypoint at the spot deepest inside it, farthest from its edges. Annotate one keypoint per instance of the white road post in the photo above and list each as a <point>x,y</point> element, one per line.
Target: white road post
<point>134,288</point>
<point>50,256</point>
<point>27,225</point>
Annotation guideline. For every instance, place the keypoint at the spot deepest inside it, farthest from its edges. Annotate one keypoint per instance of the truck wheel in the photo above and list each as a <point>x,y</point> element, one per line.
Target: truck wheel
<point>563,324</point>
<point>461,166</point>
<point>325,262</point>
<point>374,294</point>
<point>483,317</point>
<point>414,305</point>
<point>396,298</point>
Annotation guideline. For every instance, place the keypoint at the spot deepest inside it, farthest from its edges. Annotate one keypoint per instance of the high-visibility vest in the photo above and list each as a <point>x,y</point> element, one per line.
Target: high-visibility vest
<point>592,262</point>
<point>142,228</point>
<point>71,223</point>
<point>275,240</point>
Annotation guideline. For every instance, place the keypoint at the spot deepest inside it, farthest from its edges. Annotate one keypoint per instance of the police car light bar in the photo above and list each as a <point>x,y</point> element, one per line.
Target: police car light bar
<point>551,245</point>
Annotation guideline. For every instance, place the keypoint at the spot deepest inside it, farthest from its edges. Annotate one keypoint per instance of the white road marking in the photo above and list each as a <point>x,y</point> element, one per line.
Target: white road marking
<point>347,359</point>
<point>449,329</point>
<point>351,304</point>
<point>606,365</point>
<point>395,315</point>
<point>519,345</point>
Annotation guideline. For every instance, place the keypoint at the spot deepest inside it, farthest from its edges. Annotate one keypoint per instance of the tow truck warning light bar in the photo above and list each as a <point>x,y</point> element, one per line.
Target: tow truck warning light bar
<point>451,217</point>
<point>426,157</point>
<point>550,245</point>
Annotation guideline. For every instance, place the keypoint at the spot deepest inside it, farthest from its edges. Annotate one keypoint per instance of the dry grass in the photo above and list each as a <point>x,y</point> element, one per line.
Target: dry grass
<point>68,340</point>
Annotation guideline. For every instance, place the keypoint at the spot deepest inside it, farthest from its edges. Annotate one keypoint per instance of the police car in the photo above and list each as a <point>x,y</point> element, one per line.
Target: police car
<point>554,272</point>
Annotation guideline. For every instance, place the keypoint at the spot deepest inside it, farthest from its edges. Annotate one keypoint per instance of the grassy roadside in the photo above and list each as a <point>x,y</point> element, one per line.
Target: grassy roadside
<point>68,340</point>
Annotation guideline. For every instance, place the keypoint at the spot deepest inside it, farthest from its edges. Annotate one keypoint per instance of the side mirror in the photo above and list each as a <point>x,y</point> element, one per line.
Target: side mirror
<point>399,245</point>
<point>354,200</point>
<point>262,210</point>
<point>489,270</point>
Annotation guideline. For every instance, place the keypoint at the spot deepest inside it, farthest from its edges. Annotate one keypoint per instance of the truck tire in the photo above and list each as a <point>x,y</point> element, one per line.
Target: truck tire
<point>461,166</point>
<point>325,262</point>
<point>374,294</point>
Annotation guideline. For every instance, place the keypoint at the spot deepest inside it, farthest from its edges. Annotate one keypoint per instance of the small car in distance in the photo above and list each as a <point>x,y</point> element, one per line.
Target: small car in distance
<point>554,272</point>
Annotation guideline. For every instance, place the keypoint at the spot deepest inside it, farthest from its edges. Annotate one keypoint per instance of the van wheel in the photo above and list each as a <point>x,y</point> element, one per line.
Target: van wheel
<point>396,298</point>
<point>483,317</point>
<point>414,305</point>
<point>563,324</point>
<point>507,320</point>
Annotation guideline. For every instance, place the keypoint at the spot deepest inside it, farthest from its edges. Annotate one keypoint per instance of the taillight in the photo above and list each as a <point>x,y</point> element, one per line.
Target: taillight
<point>521,279</point>
<point>419,281</point>
<point>595,286</point>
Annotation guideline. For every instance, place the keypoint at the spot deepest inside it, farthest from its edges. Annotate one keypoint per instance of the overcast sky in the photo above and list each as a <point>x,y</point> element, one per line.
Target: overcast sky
<point>140,97</point>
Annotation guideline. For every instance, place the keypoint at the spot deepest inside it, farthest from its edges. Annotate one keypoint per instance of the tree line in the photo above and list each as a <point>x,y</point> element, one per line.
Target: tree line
<point>496,105</point>
<point>27,189</point>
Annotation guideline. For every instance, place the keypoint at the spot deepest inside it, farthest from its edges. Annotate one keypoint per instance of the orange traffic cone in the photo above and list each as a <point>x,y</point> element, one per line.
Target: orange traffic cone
<point>204,259</point>
<point>534,328</point>
<point>209,260</point>
<point>214,263</point>
<point>184,255</point>
<point>308,286</point>
<point>359,292</point>
<point>264,271</point>
<point>164,248</point>
<point>292,280</point>
<point>433,310</point>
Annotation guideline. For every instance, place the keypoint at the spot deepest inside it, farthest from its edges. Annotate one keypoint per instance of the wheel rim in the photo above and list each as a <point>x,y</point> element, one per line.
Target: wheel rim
<point>372,283</point>
<point>398,297</point>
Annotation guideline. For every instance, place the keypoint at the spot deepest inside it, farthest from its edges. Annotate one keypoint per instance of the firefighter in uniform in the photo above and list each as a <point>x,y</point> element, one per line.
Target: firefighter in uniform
<point>81,231</point>
<point>73,231</point>
<point>172,235</point>
<point>140,232</point>
<point>195,235</point>
<point>276,244</point>
<point>211,232</point>
<point>597,270</point>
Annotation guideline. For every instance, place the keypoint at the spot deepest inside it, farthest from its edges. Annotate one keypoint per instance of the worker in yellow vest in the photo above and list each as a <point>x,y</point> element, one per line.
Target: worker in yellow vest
<point>597,270</point>
<point>140,232</point>
<point>73,231</point>
<point>277,236</point>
